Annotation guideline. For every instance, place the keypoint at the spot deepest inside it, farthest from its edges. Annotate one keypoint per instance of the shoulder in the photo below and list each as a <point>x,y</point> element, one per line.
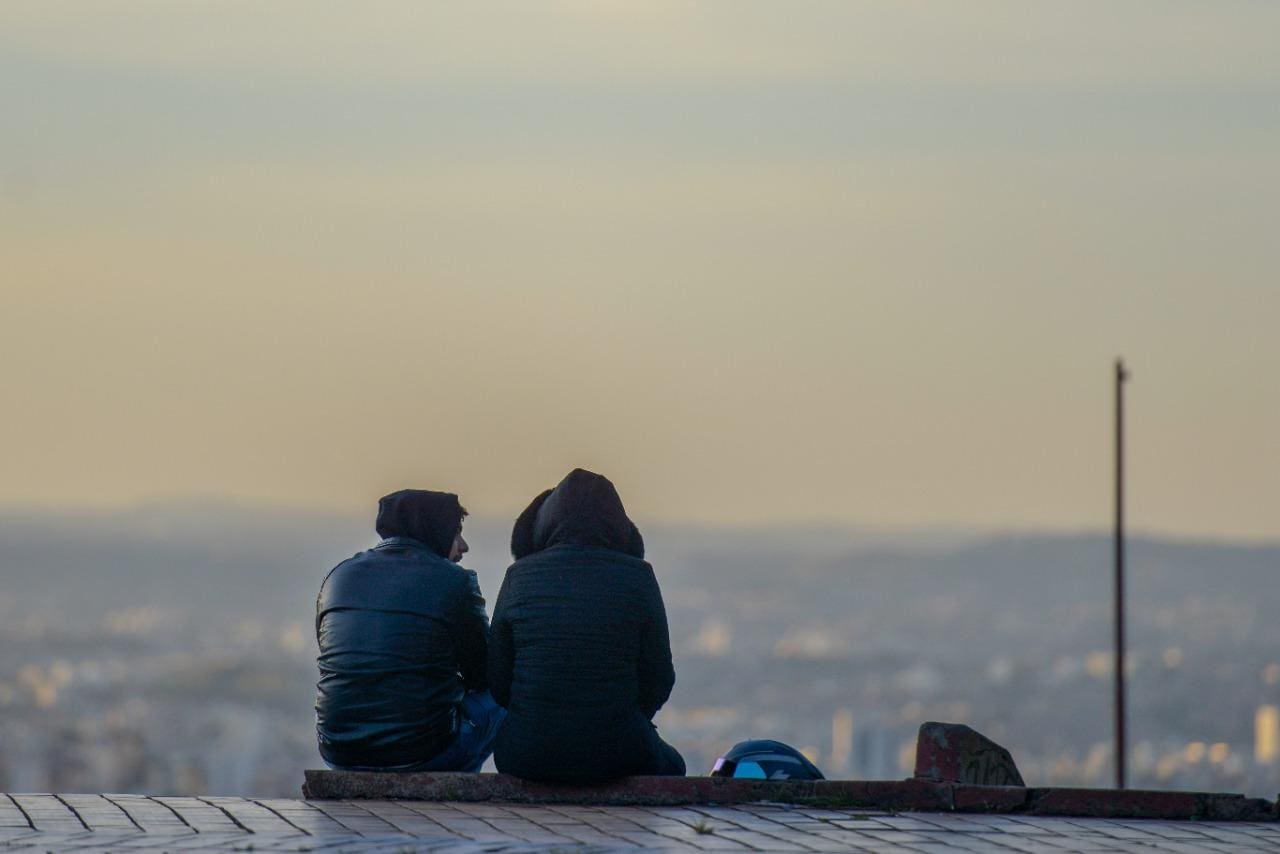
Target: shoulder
<point>382,568</point>
<point>453,580</point>
<point>358,557</point>
<point>621,562</point>
<point>468,579</point>
<point>532,571</point>
<point>343,566</point>
<point>609,568</point>
<point>564,555</point>
<point>417,559</point>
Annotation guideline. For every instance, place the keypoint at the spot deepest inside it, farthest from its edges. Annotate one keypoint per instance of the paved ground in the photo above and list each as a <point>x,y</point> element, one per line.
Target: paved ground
<point>138,823</point>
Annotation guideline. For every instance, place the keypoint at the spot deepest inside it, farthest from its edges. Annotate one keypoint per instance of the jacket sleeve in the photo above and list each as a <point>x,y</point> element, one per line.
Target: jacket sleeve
<point>501,650</point>
<point>657,673</point>
<point>470,630</point>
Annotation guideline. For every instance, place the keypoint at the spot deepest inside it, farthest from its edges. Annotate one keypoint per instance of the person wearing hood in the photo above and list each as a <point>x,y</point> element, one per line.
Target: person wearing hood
<point>579,653</point>
<point>403,640</point>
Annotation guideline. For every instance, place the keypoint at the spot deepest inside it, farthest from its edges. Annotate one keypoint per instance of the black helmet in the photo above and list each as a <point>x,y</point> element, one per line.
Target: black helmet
<point>763,759</point>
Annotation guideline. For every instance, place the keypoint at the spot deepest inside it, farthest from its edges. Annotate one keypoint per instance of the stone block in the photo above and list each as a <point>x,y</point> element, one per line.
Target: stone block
<point>955,753</point>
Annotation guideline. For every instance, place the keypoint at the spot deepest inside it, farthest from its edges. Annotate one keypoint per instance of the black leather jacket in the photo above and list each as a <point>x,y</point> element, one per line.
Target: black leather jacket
<point>402,634</point>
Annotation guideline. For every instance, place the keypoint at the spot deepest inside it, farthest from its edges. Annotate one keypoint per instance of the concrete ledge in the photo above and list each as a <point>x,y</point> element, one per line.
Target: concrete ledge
<point>629,791</point>
<point>1136,803</point>
<point>889,795</point>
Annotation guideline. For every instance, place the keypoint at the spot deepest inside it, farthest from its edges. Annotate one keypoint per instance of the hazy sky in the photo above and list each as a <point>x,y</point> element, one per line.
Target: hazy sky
<point>862,262</point>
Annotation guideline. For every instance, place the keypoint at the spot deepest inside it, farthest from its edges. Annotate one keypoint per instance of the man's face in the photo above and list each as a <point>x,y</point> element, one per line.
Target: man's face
<point>459,547</point>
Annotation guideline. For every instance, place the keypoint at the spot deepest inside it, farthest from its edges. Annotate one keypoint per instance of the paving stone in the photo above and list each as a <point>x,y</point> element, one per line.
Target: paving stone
<point>707,841</point>
<point>805,840</point>
<point>907,822</point>
<point>316,825</point>
<point>1217,834</point>
<point>1029,846</point>
<point>1023,828</point>
<point>249,814</point>
<point>1047,825</point>
<point>995,841</point>
<point>960,842</point>
<point>149,814</point>
<point>484,810</point>
<point>763,842</point>
<point>818,843</point>
<point>200,816</point>
<point>480,831</point>
<point>550,818</point>
<point>609,824</point>
<point>46,812</point>
<point>586,834</point>
<point>898,836</point>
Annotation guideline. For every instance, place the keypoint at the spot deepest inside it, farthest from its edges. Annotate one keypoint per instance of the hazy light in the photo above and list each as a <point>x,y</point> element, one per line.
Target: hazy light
<point>757,261</point>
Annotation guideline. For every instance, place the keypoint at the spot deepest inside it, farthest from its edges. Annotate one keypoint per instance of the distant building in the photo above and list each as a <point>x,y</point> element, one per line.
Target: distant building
<point>1266,734</point>
<point>841,743</point>
<point>876,753</point>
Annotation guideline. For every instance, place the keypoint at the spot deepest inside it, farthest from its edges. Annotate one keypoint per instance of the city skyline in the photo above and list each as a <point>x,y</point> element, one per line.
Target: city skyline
<point>175,652</point>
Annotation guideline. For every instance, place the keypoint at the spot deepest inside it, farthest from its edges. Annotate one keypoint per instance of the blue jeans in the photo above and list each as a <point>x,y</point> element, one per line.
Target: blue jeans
<point>479,717</point>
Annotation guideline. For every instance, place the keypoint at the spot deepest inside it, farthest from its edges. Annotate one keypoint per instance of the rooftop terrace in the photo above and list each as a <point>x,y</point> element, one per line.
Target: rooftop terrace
<point>478,813</point>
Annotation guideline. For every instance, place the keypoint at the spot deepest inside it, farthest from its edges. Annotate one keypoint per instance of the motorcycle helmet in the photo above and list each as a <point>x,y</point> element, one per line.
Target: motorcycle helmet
<point>764,759</point>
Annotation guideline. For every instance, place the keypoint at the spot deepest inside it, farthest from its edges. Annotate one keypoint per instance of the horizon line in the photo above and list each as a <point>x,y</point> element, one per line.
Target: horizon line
<point>10,508</point>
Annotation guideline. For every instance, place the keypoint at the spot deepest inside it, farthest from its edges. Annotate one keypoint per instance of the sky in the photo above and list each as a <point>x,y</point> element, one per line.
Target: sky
<point>759,262</point>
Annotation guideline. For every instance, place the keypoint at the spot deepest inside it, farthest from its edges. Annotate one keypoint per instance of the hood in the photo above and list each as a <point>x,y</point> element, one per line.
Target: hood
<point>432,518</point>
<point>583,510</point>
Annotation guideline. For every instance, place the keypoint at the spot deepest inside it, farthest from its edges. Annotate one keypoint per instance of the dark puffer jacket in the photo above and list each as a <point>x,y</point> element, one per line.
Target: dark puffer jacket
<point>402,634</point>
<point>579,652</point>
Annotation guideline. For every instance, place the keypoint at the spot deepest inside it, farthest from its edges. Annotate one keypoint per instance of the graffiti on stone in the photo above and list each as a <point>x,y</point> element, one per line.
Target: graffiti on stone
<point>992,766</point>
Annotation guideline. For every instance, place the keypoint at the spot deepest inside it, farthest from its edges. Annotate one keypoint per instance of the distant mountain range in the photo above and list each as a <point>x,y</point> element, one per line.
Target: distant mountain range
<point>221,560</point>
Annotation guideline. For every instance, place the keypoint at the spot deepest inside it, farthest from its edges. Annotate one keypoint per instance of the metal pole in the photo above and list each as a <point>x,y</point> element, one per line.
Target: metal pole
<point>1121,375</point>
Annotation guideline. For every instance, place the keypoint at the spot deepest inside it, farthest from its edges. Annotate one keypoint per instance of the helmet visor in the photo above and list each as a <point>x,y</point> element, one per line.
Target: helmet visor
<point>763,766</point>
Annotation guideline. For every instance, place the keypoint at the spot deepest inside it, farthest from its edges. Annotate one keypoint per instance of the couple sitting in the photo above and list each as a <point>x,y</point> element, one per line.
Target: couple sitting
<point>562,688</point>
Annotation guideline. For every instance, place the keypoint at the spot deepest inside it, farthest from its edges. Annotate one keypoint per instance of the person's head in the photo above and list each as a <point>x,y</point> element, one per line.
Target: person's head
<point>585,510</point>
<point>432,518</point>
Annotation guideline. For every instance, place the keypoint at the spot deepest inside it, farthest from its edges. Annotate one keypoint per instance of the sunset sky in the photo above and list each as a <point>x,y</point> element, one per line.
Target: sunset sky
<point>787,262</point>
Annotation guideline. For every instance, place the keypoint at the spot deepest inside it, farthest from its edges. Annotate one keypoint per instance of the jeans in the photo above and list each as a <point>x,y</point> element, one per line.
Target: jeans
<point>479,717</point>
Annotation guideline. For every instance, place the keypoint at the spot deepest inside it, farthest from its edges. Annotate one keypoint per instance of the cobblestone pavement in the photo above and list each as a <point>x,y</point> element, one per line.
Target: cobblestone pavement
<point>125,823</point>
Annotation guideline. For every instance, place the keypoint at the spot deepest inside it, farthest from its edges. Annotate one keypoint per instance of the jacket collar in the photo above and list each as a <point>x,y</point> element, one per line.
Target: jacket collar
<point>403,542</point>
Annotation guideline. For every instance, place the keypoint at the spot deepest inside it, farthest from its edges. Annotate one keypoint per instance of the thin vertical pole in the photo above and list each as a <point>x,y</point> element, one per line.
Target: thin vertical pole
<point>1121,375</point>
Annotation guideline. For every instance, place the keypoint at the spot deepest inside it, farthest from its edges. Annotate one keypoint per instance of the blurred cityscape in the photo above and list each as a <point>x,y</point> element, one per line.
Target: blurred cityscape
<point>170,650</point>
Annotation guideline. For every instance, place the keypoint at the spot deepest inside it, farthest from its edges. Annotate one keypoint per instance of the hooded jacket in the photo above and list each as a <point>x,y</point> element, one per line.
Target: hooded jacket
<point>431,518</point>
<point>579,652</point>
<point>403,634</point>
